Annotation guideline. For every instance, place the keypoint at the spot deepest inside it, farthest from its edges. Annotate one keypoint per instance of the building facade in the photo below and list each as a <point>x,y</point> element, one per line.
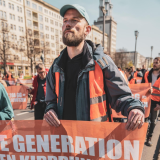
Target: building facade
<point>110,26</point>
<point>34,28</point>
<point>123,59</point>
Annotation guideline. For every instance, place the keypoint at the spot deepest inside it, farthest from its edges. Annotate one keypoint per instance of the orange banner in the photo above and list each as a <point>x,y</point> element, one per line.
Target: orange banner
<point>18,96</point>
<point>24,81</point>
<point>138,80</point>
<point>73,140</point>
<point>139,92</point>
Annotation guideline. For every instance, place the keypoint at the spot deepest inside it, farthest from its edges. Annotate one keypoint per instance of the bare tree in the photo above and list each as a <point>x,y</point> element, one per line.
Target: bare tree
<point>32,43</point>
<point>5,42</point>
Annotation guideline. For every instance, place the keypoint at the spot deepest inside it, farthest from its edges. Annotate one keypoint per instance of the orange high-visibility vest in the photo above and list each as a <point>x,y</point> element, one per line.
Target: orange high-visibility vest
<point>98,105</point>
<point>135,74</point>
<point>146,77</point>
<point>155,95</point>
<point>132,81</point>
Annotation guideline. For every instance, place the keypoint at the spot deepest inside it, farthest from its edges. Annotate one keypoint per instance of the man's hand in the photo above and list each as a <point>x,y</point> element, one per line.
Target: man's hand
<point>52,118</point>
<point>29,90</point>
<point>135,119</point>
<point>157,107</point>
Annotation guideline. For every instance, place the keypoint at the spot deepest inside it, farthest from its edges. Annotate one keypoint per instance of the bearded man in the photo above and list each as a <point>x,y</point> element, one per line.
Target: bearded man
<point>84,83</point>
<point>153,77</point>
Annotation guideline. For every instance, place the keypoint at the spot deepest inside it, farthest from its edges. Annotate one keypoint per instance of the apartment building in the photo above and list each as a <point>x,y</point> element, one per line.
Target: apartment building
<point>39,23</point>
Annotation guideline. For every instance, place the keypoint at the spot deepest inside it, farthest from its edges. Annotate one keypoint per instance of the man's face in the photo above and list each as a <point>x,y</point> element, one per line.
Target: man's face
<point>156,65</point>
<point>41,73</point>
<point>74,28</point>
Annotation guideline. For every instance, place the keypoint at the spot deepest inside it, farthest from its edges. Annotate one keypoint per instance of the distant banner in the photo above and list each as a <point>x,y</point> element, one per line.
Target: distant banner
<point>18,96</point>
<point>12,81</point>
<point>139,92</point>
<point>73,140</point>
<point>24,81</point>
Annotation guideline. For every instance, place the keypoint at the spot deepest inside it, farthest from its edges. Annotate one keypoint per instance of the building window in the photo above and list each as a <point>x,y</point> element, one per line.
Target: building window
<point>9,5</point>
<point>21,19</point>
<point>52,29</point>
<point>10,15</point>
<point>13,6</point>
<point>28,13</point>
<point>52,44</point>
<point>42,43</point>
<point>41,35</point>
<point>47,36</point>
<point>15,37</point>
<point>47,44</point>
<point>52,37</point>
<point>56,23</point>
<point>46,11</point>
<point>18,8</point>
<point>13,17</point>
<point>29,23</point>
<point>41,26</point>
<point>40,17</point>
<point>34,6</point>
<point>51,21</point>
<point>12,36</point>
<point>46,19</point>
<point>47,28</point>
<point>40,8</point>
<point>2,3</point>
<point>28,3</point>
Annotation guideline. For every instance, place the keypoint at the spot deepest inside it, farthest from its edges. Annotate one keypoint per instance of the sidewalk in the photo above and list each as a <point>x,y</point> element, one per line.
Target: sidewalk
<point>151,153</point>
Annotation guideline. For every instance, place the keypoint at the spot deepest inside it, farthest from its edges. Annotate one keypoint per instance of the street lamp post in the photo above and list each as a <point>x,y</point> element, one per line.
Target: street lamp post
<point>135,57</point>
<point>151,51</point>
<point>104,13</point>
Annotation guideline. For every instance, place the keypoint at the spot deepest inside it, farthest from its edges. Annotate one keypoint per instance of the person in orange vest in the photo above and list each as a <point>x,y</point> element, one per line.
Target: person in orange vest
<point>83,83</point>
<point>153,77</point>
<point>131,79</point>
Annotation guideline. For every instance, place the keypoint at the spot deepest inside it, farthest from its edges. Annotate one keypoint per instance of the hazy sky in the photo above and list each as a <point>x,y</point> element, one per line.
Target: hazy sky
<point>130,15</point>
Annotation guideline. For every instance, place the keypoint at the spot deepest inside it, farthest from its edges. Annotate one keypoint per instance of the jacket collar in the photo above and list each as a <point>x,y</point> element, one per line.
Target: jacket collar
<point>87,58</point>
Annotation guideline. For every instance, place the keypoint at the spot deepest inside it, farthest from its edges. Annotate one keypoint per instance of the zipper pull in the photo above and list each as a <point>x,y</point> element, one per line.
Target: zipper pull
<point>61,102</point>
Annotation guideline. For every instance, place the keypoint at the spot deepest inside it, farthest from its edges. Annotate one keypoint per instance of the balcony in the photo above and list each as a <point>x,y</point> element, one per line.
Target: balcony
<point>4,18</point>
<point>36,36</point>
<point>35,18</point>
<point>35,28</point>
<point>5,28</point>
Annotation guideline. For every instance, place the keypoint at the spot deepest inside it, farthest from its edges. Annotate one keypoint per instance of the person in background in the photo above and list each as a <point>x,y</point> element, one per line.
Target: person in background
<point>39,92</point>
<point>131,79</point>
<point>143,70</point>
<point>139,73</point>
<point>8,75</point>
<point>6,110</point>
<point>153,77</point>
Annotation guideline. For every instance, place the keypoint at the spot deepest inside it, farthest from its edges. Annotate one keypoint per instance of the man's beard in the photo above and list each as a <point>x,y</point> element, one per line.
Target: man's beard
<point>70,39</point>
<point>156,69</point>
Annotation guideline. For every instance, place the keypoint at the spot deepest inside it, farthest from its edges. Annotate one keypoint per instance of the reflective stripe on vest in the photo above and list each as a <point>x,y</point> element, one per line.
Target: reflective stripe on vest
<point>98,108</point>
<point>155,96</point>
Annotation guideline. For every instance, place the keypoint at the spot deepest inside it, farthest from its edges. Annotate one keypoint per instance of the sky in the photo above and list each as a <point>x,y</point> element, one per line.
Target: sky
<point>130,15</point>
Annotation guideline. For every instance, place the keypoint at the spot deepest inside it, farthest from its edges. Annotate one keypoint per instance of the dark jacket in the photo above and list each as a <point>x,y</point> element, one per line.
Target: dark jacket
<point>149,76</point>
<point>6,110</point>
<point>117,91</point>
<point>34,91</point>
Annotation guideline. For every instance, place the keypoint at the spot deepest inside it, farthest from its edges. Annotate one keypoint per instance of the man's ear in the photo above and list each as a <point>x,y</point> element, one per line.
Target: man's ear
<point>88,29</point>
